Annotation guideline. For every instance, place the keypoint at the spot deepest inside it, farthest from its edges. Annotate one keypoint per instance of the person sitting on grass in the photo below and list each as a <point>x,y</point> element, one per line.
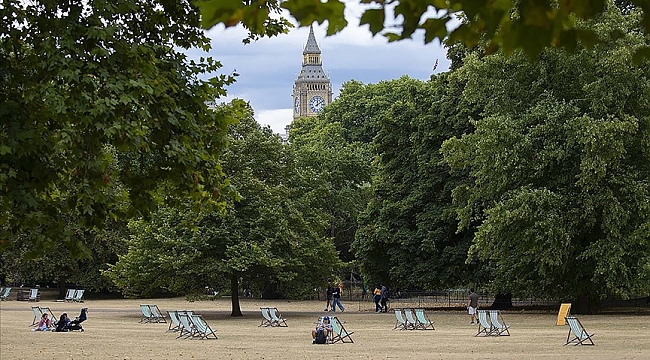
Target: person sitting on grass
<point>43,324</point>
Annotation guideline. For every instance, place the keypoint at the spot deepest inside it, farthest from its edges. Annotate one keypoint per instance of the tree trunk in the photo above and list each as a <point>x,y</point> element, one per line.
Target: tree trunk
<point>502,302</point>
<point>584,304</point>
<point>61,287</point>
<point>234,290</point>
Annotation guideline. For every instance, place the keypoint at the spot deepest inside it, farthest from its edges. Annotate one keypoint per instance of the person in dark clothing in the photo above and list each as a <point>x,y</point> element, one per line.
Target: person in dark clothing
<point>384,298</point>
<point>328,295</point>
<point>63,323</point>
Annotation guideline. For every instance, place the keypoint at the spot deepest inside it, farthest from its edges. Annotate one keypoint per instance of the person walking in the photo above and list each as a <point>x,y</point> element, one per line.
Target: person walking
<point>377,297</point>
<point>328,294</point>
<point>384,298</point>
<point>472,305</point>
<point>336,298</point>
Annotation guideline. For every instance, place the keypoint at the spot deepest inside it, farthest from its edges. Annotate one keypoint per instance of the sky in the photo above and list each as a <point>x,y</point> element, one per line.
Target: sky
<point>268,67</point>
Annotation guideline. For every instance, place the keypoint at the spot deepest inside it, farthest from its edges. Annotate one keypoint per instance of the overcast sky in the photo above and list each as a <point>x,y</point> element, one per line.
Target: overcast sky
<point>268,68</point>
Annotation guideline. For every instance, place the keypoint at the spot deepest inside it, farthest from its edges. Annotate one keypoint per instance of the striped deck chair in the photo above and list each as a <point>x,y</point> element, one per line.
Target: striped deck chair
<point>188,329</point>
<point>423,321</point>
<point>37,315</point>
<point>156,314</point>
<point>277,318</point>
<point>5,293</point>
<point>33,295</point>
<point>580,335</point>
<point>484,325</point>
<point>266,317</point>
<point>78,295</point>
<point>498,327</point>
<point>410,319</point>
<point>146,313</point>
<point>203,330</point>
<point>400,321</point>
<point>69,295</point>
<point>338,331</point>
<point>174,322</point>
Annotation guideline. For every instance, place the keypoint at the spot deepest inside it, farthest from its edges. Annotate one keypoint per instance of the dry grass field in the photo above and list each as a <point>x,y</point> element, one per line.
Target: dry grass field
<point>113,331</point>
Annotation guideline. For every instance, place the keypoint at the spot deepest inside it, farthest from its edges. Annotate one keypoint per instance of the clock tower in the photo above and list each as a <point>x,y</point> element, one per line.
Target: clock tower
<point>312,89</point>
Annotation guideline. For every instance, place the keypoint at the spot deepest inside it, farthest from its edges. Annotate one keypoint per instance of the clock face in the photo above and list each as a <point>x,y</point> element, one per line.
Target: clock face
<point>316,104</point>
<point>296,105</point>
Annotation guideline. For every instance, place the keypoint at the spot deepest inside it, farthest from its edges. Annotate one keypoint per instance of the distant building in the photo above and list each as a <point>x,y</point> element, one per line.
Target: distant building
<point>312,89</point>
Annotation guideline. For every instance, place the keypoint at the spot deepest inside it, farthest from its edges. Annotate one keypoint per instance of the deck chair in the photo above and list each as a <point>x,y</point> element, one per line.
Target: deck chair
<point>174,322</point>
<point>484,325</point>
<point>266,317</point>
<point>78,295</point>
<point>410,319</point>
<point>156,314</point>
<point>400,323</point>
<point>5,293</point>
<point>33,295</point>
<point>69,295</point>
<point>146,313</point>
<point>277,318</point>
<point>37,315</point>
<point>499,326</point>
<point>580,335</point>
<point>203,330</point>
<point>423,321</point>
<point>188,329</point>
<point>565,310</point>
<point>338,331</point>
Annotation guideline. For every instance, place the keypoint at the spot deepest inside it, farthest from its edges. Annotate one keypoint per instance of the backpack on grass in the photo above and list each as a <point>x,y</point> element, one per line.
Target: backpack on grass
<point>320,337</point>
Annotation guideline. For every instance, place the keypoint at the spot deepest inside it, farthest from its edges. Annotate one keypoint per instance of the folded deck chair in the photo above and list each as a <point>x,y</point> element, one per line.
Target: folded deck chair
<point>277,318</point>
<point>156,314</point>
<point>146,313</point>
<point>5,293</point>
<point>423,321</point>
<point>484,325</point>
<point>188,329</point>
<point>174,322</point>
<point>78,295</point>
<point>33,295</point>
<point>410,319</point>
<point>338,331</point>
<point>266,317</point>
<point>580,335</point>
<point>203,330</point>
<point>69,295</point>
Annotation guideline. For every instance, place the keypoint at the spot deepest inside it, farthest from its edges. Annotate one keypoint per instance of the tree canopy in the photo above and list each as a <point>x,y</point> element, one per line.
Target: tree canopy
<point>529,25</point>
<point>559,168</point>
<point>98,111</point>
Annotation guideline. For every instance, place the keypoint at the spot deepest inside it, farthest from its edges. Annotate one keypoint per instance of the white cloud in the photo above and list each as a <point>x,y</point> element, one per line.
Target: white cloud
<point>277,119</point>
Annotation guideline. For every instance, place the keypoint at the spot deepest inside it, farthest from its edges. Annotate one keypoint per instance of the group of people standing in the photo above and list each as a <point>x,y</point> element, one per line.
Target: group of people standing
<point>333,295</point>
<point>381,298</point>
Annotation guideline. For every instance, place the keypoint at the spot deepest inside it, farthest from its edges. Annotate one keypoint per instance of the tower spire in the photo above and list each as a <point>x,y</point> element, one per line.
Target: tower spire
<point>312,46</point>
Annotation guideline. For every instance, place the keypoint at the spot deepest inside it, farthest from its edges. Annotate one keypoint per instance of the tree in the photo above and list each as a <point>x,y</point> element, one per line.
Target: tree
<point>269,237</point>
<point>559,168</point>
<point>529,25</point>
<point>87,86</point>
<point>338,172</point>
<point>406,238</point>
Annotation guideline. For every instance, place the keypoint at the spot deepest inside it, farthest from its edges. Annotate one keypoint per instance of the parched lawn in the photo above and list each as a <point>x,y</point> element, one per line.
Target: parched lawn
<point>113,331</point>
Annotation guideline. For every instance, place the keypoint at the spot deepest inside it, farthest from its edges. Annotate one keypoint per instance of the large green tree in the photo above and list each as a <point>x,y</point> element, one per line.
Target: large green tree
<point>83,84</point>
<point>560,168</point>
<point>407,238</point>
<point>271,236</point>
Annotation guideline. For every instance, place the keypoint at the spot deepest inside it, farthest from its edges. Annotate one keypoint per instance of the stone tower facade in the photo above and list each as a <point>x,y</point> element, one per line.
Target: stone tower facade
<point>312,89</point>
